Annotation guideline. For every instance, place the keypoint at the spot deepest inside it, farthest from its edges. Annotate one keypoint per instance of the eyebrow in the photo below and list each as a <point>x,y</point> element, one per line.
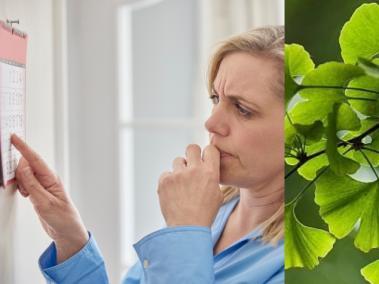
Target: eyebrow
<point>237,98</point>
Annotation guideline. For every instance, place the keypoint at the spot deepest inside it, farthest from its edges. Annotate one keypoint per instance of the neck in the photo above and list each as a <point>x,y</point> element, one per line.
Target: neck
<point>258,204</point>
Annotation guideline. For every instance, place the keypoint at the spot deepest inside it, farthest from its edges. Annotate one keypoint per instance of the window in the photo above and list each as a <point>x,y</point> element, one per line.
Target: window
<point>158,81</point>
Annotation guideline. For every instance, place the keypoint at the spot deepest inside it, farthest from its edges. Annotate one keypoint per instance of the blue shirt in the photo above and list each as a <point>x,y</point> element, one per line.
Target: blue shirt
<point>181,254</point>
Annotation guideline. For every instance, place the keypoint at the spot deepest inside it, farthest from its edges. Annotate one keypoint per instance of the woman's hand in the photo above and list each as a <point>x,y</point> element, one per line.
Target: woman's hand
<point>190,195</point>
<point>57,213</point>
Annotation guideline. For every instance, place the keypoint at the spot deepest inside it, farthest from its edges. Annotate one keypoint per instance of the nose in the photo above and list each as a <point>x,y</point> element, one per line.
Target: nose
<point>217,123</point>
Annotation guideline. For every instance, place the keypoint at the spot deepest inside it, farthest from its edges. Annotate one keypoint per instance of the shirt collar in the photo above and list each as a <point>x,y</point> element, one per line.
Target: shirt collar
<point>221,219</point>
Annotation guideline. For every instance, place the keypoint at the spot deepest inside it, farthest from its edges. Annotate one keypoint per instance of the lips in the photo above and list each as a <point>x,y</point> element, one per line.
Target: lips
<point>225,154</point>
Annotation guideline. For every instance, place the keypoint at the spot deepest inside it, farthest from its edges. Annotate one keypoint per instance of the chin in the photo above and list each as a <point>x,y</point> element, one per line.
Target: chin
<point>231,178</point>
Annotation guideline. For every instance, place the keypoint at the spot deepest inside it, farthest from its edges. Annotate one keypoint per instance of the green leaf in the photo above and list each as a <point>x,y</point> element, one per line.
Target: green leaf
<point>338,163</point>
<point>291,161</point>
<point>310,168</point>
<point>323,87</point>
<point>304,245</point>
<point>311,133</point>
<point>369,67</point>
<point>359,36</point>
<point>371,272</point>
<point>343,201</point>
<point>297,63</point>
<point>347,119</point>
<point>369,108</point>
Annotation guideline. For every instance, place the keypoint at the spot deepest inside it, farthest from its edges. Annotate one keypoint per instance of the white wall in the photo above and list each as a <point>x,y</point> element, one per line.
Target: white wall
<point>21,229</point>
<point>92,105</point>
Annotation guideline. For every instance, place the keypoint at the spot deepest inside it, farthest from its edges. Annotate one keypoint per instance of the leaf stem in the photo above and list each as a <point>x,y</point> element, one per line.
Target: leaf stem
<point>361,99</point>
<point>338,87</point>
<point>301,193</point>
<point>364,134</point>
<point>372,150</point>
<point>293,170</point>
<point>289,118</point>
<point>371,166</point>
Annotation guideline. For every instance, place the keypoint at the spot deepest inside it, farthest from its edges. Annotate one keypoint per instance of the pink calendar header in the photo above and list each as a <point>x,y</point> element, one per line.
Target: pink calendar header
<point>13,44</point>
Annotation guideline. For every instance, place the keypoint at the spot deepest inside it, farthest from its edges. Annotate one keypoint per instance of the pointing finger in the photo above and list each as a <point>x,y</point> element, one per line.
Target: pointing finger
<point>44,175</point>
<point>211,157</point>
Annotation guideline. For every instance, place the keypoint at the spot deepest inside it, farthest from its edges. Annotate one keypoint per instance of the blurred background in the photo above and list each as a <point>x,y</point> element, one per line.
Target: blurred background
<point>115,91</point>
<point>316,25</point>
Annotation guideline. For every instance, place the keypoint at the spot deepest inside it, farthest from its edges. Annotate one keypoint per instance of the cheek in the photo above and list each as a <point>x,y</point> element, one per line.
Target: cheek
<point>262,147</point>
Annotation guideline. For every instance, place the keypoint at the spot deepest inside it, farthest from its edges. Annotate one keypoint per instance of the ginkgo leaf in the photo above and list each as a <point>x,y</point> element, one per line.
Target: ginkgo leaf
<point>365,107</point>
<point>371,272</point>
<point>359,36</point>
<point>343,202</point>
<point>297,63</point>
<point>347,119</point>
<point>321,89</point>
<point>338,163</point>
<point>310,133</point>
<point>369,67</point>
<point>303,245</point>
<point>310,168</point>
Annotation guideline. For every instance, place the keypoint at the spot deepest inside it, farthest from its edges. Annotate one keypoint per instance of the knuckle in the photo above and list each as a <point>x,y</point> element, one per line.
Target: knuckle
<point>164,179</point>
<point>193,147</point>
<point>32,185</point>
<point>179,160</point>
<point>192,172</point>
<point>50,203</point>
<point>36,158</point>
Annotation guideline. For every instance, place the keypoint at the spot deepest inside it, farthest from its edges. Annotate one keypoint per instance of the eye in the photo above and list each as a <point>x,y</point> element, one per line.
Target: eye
<point>243,111</point>
<point>215,99</point>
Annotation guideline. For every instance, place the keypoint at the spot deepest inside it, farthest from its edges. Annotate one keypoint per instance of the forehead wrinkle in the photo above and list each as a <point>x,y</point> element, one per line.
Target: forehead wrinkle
<point>219,83</point>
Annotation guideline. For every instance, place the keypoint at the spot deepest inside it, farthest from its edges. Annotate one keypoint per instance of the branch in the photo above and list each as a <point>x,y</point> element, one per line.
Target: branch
<point>342,143</point>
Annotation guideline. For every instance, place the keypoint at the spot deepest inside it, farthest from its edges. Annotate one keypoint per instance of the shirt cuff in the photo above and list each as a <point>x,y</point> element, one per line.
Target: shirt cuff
<point>177,255</point>
<point>84,262</point>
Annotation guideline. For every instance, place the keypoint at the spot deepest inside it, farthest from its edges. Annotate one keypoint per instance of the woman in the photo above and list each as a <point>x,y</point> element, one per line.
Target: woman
<point>232,235</point>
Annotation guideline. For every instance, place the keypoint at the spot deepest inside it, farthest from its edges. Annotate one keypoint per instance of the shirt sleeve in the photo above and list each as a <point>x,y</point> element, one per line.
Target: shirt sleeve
<point>278,278</point>
<point>134,275</point>
<point>181,254</point>
<point>86,266</point>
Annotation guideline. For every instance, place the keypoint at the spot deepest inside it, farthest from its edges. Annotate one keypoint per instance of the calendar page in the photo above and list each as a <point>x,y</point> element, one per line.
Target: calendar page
<point>13,44</point>
<point>12,115</point>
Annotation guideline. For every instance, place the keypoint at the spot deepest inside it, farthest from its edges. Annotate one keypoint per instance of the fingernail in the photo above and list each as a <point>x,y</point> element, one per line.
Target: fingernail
<point>27,172</point>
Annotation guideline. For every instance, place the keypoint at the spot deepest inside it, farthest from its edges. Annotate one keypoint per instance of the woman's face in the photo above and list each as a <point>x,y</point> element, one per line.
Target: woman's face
<point>247,121</point>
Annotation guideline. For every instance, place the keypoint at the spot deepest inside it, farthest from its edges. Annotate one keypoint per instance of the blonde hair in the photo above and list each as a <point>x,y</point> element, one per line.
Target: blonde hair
<point>264,42</point>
